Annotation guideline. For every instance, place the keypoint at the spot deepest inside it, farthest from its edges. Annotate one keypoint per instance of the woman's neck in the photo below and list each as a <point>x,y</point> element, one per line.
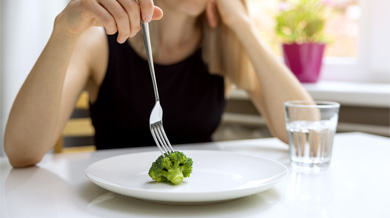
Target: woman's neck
<point>179,35</point>
<point>177,28</point>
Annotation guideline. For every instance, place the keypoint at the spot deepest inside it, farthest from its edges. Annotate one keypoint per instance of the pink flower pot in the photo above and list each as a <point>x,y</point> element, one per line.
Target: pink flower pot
<point>304,60</point>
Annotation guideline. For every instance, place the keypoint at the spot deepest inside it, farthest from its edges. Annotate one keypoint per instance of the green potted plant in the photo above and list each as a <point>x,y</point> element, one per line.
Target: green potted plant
<point>300,25</point>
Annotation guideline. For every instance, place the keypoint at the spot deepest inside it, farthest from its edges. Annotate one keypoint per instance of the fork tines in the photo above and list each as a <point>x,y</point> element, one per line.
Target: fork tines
<point>161,138</point>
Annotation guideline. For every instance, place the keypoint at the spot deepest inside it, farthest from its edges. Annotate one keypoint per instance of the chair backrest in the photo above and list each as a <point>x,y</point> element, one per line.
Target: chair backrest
<point>77,127</point>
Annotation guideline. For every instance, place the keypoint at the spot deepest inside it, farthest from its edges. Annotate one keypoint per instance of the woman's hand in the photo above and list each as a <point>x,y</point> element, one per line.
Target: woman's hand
<point>232,12</point>
<point>122,16</point>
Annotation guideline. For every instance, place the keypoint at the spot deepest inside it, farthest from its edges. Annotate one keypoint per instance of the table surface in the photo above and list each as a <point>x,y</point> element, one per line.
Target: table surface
<point>355,185</point>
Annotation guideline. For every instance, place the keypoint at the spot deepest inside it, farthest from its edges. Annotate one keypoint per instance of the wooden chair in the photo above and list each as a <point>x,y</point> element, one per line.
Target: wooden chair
<point>77,127</point>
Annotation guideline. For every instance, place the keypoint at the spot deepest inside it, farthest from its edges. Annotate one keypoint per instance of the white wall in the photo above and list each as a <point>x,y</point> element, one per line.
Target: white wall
<point>1,76</point>
<point>25,28</point>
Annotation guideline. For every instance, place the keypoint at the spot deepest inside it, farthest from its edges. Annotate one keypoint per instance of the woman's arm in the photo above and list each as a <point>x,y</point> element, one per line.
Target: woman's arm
<point>48,95</point>
<point>34,115</point>
<point>276,84</point>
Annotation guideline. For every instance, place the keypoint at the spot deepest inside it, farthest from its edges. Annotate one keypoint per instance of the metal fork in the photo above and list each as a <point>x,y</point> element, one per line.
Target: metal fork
<point>155,120</point>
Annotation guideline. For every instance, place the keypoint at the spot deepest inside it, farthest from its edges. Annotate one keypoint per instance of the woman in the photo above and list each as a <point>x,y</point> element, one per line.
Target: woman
<point>200,48</point>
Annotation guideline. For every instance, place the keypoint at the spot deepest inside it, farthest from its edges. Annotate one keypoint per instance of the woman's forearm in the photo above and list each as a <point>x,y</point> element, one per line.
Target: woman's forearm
<point>34,114</point>
<point>277,83</point>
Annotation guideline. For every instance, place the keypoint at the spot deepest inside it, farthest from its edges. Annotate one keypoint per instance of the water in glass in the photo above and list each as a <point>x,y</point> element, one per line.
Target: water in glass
<point>311,142</point>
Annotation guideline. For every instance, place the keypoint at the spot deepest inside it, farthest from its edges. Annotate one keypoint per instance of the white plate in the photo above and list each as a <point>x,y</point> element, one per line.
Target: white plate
<point>216,176</point>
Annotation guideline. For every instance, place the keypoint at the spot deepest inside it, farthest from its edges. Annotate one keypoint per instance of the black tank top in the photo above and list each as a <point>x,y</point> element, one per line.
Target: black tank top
<point>192,100</point>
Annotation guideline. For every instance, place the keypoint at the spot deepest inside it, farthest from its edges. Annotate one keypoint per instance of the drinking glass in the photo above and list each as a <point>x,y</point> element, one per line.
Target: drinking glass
<point>311,126</point>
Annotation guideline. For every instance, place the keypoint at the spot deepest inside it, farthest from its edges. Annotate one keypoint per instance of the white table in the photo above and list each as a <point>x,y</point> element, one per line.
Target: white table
<point>355,185</point>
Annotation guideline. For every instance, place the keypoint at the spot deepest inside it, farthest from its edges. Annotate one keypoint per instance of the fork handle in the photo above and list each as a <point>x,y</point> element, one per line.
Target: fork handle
<point>148,48</point>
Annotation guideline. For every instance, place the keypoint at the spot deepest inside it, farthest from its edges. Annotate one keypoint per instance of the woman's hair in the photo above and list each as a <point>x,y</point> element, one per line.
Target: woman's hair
<point>221,51</point>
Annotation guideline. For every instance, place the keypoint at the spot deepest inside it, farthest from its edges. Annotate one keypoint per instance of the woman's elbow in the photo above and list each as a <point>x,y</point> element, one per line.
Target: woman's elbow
<point>19,158</point>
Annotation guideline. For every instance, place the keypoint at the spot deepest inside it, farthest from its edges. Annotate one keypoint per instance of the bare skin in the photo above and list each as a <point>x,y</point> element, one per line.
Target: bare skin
<point>75,58</point>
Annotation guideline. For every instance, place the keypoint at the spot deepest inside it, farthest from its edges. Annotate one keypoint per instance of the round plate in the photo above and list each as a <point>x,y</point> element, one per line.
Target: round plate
<point>216,176</point>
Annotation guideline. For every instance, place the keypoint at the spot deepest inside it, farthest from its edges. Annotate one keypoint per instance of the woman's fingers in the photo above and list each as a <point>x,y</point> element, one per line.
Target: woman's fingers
<point>231,11</point>
<point>121,18</point>
<point>147,9</point>
<point>128,15</point>
<point>157,13</point>
<point>133,11</point>
<point>103,18</point>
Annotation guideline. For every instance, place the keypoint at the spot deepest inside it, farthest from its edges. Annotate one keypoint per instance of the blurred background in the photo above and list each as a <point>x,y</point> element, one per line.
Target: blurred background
<point>355,72</point>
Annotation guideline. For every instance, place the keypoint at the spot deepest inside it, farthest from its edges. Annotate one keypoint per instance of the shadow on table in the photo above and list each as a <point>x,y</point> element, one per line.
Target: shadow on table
<point>115,205</point>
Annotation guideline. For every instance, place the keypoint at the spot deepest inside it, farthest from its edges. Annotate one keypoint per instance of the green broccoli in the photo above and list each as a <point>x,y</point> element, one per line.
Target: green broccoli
<point>172,167</point>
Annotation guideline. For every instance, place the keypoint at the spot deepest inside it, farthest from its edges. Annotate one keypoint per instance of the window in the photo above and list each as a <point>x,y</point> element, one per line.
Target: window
<point>359,38</point>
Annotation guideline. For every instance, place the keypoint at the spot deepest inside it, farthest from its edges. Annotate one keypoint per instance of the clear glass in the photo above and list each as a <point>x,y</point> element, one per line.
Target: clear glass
<point>310,128</point>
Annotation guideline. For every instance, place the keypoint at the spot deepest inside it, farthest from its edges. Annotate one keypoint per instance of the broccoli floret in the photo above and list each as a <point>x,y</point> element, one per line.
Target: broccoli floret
<point>172,167</point>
